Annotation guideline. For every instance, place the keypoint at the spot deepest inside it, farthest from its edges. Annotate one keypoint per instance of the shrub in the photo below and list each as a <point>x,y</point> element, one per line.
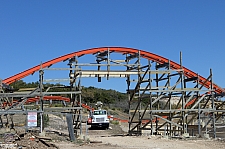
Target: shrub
<point>45,120</point>
<point>114,122</point>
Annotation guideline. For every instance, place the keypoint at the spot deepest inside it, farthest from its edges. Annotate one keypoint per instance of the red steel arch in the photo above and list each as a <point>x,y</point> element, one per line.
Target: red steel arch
<point>188,73</point>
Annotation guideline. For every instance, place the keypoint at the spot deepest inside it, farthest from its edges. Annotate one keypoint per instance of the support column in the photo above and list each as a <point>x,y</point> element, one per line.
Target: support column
<point>213,105</point>
<point>41,73</point>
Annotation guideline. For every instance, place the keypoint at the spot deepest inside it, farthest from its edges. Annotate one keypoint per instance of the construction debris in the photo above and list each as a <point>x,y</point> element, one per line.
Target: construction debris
<point>26,141</point>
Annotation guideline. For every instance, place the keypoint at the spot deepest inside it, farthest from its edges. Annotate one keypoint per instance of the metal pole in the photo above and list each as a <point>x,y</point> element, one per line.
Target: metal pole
<point>150,96</point>
<point>213,105</point>
<point>70,126</point>
<point>183,102</point>
<point>199,123</point>
<point>108,62</point>
<point>41,96</point>
<point>199,119</point>
<point>157,96</point>
<point>170,106</point>
<point>41,116</point>
<point>139,95</point>
<point>128,96</point>
<point>80,113</point>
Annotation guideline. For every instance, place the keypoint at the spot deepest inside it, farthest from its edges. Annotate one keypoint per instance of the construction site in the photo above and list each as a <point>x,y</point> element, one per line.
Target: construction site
<point>166,102</point>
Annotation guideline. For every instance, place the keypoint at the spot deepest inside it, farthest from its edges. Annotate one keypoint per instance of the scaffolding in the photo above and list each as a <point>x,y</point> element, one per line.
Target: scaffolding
<point>10,107</point>
<point>161,100</point>
<point>152,102</point>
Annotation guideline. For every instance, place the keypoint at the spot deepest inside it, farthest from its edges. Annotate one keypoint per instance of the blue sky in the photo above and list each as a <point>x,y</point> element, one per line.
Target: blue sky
<point>38,30</point>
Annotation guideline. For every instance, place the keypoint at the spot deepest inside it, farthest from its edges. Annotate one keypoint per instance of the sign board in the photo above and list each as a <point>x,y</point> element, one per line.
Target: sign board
<point>32,119</point>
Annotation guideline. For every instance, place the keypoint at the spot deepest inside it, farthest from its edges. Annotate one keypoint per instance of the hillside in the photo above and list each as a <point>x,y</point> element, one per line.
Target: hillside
<point>90,95</point>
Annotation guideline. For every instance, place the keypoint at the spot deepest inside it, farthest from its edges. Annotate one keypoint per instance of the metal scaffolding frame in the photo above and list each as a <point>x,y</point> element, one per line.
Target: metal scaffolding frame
<point>177,118</point>
<point>146,93</point>
<point>152,90</point>
<point>10,108</point>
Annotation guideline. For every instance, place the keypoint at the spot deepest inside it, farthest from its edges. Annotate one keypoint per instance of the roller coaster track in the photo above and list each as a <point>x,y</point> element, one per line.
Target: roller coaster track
<point>122,50</point>
<point>45,98</point>
<point>150,56</point>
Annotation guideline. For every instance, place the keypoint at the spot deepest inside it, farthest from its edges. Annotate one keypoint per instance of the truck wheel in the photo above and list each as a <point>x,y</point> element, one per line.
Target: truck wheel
<point>107,126</point>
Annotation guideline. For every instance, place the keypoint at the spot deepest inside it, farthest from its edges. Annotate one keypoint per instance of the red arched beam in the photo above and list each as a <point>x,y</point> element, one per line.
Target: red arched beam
<point>54,98</point>
<point>29,100</point>
<point>188,73</point>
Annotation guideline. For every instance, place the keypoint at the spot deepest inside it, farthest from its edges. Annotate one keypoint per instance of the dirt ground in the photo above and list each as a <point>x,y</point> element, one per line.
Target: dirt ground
<point>113,138</point>
<point>116,138</point>
<point>154,143</point>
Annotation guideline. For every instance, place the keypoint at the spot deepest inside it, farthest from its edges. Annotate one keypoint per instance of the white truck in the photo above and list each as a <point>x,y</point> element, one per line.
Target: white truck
<point>98,118</point>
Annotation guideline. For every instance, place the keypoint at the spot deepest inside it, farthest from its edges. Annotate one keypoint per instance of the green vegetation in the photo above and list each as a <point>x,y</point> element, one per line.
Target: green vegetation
<point>22,84</point>
<point>89,94</point>
<point>92,95</point>
<point>114,122</point>
<point>45,120</point>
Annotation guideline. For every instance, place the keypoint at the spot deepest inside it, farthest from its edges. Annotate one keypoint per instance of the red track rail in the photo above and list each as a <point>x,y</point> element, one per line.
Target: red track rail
<point>29,100</point>
<point>188,73</point>
<point>54,98</point>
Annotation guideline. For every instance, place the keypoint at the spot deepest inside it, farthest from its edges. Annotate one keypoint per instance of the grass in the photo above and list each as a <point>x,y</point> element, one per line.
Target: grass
<point>114,122</point>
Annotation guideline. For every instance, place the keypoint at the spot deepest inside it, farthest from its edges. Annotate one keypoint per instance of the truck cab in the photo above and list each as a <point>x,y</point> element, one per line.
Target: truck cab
<point>99,118</point>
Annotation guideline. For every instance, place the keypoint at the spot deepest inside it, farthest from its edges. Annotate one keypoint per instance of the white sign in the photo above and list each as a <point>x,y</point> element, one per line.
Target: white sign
<point>32,119</point>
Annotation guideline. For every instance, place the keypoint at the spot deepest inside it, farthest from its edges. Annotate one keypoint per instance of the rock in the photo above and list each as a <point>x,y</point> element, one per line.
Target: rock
<point>206,136</point>
<point>42,134</point>
<point>186,135</point>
